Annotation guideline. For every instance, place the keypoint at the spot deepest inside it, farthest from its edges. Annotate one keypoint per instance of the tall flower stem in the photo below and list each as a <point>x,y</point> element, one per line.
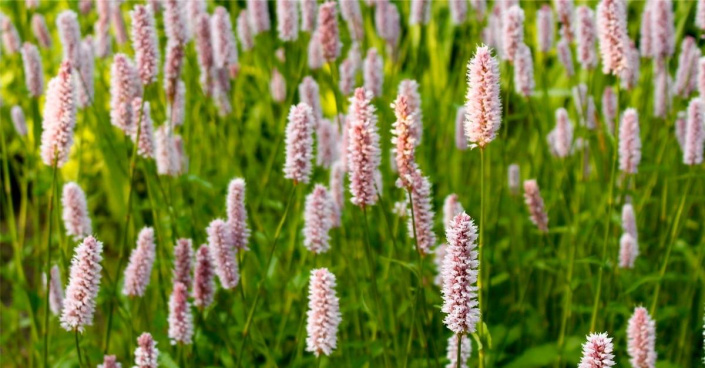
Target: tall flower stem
<point>250,314</point>
<point>373,281</point>
<point>460,348</point>
<point>480,283</point>
<point>78,348</point>
<point>47,265</point>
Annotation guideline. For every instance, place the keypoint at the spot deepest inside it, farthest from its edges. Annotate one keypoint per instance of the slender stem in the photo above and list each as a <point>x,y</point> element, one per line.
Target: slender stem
<point>48,261</point>
<point>480,283</point>
<point>78,348</point>
<point>460,347</point>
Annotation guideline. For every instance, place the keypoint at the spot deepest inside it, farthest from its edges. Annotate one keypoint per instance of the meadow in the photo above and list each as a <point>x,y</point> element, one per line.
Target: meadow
<point>352,183</point>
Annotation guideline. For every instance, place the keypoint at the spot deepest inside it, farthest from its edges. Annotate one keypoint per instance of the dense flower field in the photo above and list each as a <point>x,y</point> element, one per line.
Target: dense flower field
<point>375,183</point>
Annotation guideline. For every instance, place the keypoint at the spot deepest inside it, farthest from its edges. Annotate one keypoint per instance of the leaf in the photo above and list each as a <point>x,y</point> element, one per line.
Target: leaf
<point>538,356</point>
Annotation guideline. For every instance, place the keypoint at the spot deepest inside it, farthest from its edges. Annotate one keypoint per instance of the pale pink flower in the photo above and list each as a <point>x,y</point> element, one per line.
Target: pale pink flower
<point>630,77</point>
<point>84,281</point>
<point>404,141</point>
<point>694,133</point>
<point>193,10</point>
<point>328,137</point>
<point>420,188</point>
<point>204,48</point>
<point>451,208</point>
<point>277,86</point>
<point>565,56</point>
<point>524,71</point>
<point>31,4</point>
<point>33,73</point>
<point>18,120</point>
<point>56,291</point>
<point>315,51</point>
<point>203,284</point>
<point>687,67</point>
<point>492,33</point>
<point>564,9</point>
<point>363,155</point>
<point>537,212</point>
<point>317,220</point>
<point>337,191</point>
<point>237,214</point>
<point>85,85</point>
<point>420,12</point>
<point>220,242</point>
<point>244,33</point>
<point>103,40</point>
<point>585,37</point>
<point>629,221</point>
<point>146,353</point>
<point>175,25</point>
<point>544,28</point>
<point>183,261</point>
<point>458,11</point>
<point>176,111</point>
<point>165,152</point>
<point>85,6</point>
<point>590,119</point>
<point>287,20</point>
<point>662,94</point>
<point>41,31</point>
<point>641,339</point>
<point>180,317</point>
<point>465,351</point>
<point>347,73</point>
<point>59,118</point>
<point>224,45</point>
<point>139,270</point>
<point>597,351</point>
<point>145,141</point>
<point>123,90</point>
<point>310,95</point>
<point>609,107</point>
<point>662,29</point>
<point>309,10</point>
<point>628,251</point>
<point>512,31</point>
<point>513,178</point>
<point>681,126</point>
<point>480,7</point>
<point>299,143</point>
<point>323,316</point>
<point>109,361</point>
<point>387,22</point>
<point>118,24</point>
<point>145,43</point>
<point>483,106</point>
<point>70,36</point>
<point>258,16</point>
<point>561,137</point>
<point>75,212</point>
<point>700,15</point>
<point>645,41</point>
<point>410,89</point>
<point>629,142</point>
<point>328,34</point>
<point>351,13</point>
<point>612,33</point>
<point>461,142</point>
<point>10,38</point>
<point>460,271</point>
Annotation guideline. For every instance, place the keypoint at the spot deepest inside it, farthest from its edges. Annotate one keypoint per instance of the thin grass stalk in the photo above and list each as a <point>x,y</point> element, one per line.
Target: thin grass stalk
<point>419,276</point>
<point>481,323</point>
<point>260,285</point>
<point>78,348</point>
<point>460,347</point>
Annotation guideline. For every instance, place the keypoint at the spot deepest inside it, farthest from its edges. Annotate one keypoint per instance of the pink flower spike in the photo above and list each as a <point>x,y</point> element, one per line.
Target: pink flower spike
<point>328,31</point>
<point>70,36</point>
<point>309,93</point>
<point>681,126</point>
<point>363,155</point>
<point>458,11</point>
<point>287,20</point>
<point>317,220</point>
<point>193,10</point>
<point>258,14</point>
<point>244,32</point>
<point>609,107</point>
<point>512,31</point>
<point>277,86</point>
<point>122,91</point>
<point>41,31</point>
<point>337,192</point>
<point>687,67</point>
<point>204,48</point>
<point>524,71</point>
<point>544,28</point>
<point>641,339</point>
<point>351,13</point>
<point>18,120</point>
<point>451,208</point>
<point>33,73</point>
<point>460,269</point>
<point>483,106</point>
<point>562,134</point>
<point>165,151</point>
<point>461,142</point>
<point>75,211</point>
<point>299,143</point>
<point>139,270</point>
<point>585,36</point>
<point>480,6</point>
<point>224,45</point>
<point>645,42</point>
<point>410,89</point>
<point>323,316</point>
<point>629,221</point>
<point>109,361</point>
<point>176,111</point>
<point>629,142</point>
<point>84,281</point>
<point>612,33</point>
<point>10,37</point>
<point>564,9</point>
<point>315,51</point>
<point>662,92</point>
<point>534,202</point>
<point>183,261</point>
<point>628,251</point>
<point>146,353</point>
<point>662,29</point>
<point>465,351</point>
<point>145,43</point>
<point>56,291</point>
<point>513,178</point>
<point>145,141</point>
<point>224,254</point>
<point>237,214</point>
<point>180,317</point>
<point>59,118</point>
<point>328,138</point>
<point>420,12</point>
<point>203,284</point>
<point>387,22</point>
<point>423,214</point>
<point>175,25</point>
<point>597,352</point>
<point>309,10</point>
<point>694,133</point>
<point>700,15</point>
<point>630,77</point>
<point>404,141</point>
<point>86,79</point>
<point>565,56</point>
<point>373,73</point>
<point>118,24</point>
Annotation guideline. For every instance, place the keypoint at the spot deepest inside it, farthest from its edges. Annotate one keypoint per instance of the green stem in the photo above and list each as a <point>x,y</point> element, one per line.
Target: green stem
<point>480,283</point>
<point>78,348</point>
<point>48,262</point>
<point>460,347</point>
